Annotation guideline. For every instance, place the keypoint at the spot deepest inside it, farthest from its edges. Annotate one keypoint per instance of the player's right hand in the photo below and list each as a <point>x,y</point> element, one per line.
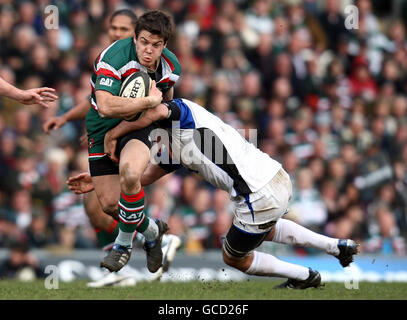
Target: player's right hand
<point>39,96</point>
<point>155,95</point>
<point>110,145</point>
<point>53,124</point>
<point>81,183</point>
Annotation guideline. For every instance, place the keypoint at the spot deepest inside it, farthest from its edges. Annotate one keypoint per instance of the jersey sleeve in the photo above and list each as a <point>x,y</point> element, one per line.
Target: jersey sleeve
<point>107,78</point>
<point>107,66</point>
<point>172,71</point>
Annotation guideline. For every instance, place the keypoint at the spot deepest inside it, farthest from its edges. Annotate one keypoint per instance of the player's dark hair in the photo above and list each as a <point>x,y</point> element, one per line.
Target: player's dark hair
<point>156,22</point>
<point>125,12</point>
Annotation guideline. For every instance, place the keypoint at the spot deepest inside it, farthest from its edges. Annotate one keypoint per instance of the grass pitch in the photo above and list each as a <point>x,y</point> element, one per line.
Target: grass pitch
<point>246,290</point>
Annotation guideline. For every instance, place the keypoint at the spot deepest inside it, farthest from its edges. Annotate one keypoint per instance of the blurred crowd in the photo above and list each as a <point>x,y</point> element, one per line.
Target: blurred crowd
<point>328,102</point>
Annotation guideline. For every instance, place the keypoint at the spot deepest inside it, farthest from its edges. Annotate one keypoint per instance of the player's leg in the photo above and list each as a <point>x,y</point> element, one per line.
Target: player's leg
<point>107,189</point>
<point>82,183</point>
<point>289,232</point>
<point>134,157</point>
<point>255,216</point>
<point>238,252</point>
<point>105,226</point>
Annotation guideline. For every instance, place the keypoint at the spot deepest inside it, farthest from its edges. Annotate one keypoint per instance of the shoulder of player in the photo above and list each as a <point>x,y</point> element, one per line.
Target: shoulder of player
<point>115,54</point>
<point>172,59</point>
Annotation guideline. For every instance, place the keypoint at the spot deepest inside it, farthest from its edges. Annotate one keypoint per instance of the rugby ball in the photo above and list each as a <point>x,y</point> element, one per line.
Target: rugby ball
<point>136,85</point>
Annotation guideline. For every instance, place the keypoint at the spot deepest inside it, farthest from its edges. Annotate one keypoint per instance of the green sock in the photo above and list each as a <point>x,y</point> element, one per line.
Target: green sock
<point>106,238</point>
<point>132,217</point>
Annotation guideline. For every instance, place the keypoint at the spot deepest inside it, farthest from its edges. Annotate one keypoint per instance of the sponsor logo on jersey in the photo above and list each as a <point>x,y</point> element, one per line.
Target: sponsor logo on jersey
<point>106,82</point>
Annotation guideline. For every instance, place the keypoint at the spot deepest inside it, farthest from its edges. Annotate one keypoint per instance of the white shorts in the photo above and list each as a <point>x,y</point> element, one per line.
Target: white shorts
<point>259,211</point>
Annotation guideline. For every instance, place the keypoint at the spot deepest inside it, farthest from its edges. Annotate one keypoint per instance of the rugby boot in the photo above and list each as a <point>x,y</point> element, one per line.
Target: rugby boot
<point>154,252</point>
<point>116,258</point>
<point>347,248</point>
<point>170,250</point>
<point>313,281</point>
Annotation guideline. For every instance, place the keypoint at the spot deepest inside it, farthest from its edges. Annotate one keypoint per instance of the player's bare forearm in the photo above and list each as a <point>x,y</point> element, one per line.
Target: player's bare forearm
<point>41,96</point>
<point>8,90</point>
<point>151,115</point>
<point>111,106</point>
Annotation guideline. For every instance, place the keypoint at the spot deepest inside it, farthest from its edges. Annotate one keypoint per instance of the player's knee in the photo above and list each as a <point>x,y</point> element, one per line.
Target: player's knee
<point>130,178</point>
<point>240,263</point>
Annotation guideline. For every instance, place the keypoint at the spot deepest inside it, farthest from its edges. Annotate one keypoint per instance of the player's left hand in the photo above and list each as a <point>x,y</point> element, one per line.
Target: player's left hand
<point>39,96</point>
<point>81,183</point>
<point>110,147</point>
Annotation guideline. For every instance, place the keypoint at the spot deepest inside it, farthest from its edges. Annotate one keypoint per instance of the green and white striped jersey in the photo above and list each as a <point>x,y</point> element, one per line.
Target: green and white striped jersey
<point>111,68</point>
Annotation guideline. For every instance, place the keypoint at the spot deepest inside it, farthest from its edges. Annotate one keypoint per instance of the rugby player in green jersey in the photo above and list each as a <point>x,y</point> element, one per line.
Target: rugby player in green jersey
<point>122,26</point>
<point>145,52</point>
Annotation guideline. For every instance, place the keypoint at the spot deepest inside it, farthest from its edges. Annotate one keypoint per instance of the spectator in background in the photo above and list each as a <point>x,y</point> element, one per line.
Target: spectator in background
<point>258,17</point>
<point>198,220</point>
<point>336,171</point>
<point>348,224</point>
<point>308,208</point>
<point>384,234</point>
<point>38,233</point>
<point>362,83</point>
<point>21,206</point>
<point>373,172</point>
<point>333,23</point>
<point>301,135</point>
<point>281,35</point>
<point>357,133</point>
<point>218,230</point>
<point>160,204</point>
<point>330,195</point>
<point>20,264</point>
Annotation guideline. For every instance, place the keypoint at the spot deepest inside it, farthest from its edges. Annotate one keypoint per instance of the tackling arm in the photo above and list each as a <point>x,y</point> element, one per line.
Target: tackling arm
<point>111,106</point>
<point>124,127</point>
<point>150,116</point>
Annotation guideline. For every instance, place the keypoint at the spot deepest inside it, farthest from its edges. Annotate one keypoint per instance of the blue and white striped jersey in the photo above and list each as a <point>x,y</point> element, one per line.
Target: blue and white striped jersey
<point>203,143</point>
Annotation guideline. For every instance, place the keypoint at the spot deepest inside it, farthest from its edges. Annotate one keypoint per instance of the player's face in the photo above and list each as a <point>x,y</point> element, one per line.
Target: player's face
<point>149,48</point>
<point>121,28</point>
